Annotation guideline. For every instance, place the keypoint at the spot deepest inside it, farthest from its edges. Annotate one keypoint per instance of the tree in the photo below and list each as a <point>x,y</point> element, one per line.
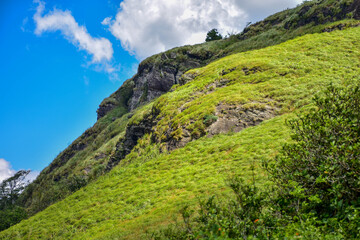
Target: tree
<point>10,189</point>
<point>212,35</point>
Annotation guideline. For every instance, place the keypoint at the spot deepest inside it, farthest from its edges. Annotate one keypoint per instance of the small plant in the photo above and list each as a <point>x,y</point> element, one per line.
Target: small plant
<point>210,119</point>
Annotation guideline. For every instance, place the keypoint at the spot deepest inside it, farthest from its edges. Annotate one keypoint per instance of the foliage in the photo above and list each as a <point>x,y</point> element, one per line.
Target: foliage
<point>11,216</point>
<point>318,174</point>
<point>10,189</point>
<point>209,119</point>
<point>245,216</point>
<point>213,35</point>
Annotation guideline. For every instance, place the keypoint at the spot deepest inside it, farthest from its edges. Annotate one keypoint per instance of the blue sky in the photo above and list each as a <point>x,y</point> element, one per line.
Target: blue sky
<point>61,58</point>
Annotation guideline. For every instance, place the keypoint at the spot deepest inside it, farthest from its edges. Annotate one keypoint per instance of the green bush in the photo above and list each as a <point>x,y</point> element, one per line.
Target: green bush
<point>322,166</point>
<point>10,216</point>
<point>209,119</point>
<point>242,217</point>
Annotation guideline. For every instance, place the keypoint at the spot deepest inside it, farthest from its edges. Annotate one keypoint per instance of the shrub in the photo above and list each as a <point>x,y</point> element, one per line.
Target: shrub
<point>10,216</point>
<point>246,215</point>
<point>209,119</point>
<point>321,167</point>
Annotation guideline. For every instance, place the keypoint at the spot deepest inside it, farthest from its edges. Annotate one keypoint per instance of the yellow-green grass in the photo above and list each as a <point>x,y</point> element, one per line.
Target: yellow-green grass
<point>89,162</point>
<point>147,191</point>
<point>286,76</point>
<point>54,182</point>
<point>148,187</point>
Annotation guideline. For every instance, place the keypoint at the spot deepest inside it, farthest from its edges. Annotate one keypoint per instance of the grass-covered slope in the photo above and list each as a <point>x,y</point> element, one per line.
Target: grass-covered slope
<point>88,156</point>
<point>150,185</point>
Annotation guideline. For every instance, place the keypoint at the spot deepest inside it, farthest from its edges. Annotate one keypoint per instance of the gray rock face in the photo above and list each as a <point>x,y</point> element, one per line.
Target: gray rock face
<point>132,135</point>
<point>236,118</point>
<point>154,77</point>
<point>151,82</point>
<point>105,108</point>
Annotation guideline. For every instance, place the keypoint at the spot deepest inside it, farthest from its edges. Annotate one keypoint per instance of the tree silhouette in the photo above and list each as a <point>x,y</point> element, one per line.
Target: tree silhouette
<point>212,35</point>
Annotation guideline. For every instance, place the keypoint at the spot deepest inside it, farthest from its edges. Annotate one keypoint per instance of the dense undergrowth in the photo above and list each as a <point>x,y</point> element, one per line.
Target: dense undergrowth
<point>152,184</point>
<point>87,157</point>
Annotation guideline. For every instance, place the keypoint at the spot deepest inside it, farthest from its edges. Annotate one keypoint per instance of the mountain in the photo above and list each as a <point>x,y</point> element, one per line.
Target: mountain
<point>190,118</point>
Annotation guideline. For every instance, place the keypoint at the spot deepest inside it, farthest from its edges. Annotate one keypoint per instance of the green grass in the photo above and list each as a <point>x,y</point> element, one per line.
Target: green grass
<point>89,162</point>
<point>100,140</point>
<point>150,185</point>
<point>144,191</point>
<point>286,77</point>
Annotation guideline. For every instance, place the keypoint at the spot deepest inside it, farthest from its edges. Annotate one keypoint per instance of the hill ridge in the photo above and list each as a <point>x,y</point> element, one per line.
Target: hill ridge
<point>117,130</point>
<point>150,183</point>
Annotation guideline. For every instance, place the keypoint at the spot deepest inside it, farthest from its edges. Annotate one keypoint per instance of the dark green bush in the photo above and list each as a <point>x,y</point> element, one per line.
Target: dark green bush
<point>209,119</point>
<point>10,216</point>
<point>246,215</point>
<point>322,166</point>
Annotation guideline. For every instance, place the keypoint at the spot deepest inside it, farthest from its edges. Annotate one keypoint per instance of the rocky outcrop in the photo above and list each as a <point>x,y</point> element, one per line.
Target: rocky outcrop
<point>155,76</point>
<point>232,118</point>
<point>133,133</point>
<point>119,98</point>
<point>152,81</point>
<point>227,118</point>
<point>104,108</point>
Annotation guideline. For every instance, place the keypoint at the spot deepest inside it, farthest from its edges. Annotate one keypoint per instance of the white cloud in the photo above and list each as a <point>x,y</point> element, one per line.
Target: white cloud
<point>146,27</point>
<point>24,23</point>
<point>58,20</point>
<point>260,9</point>
<point>5,170</point>
<point>32,176</point>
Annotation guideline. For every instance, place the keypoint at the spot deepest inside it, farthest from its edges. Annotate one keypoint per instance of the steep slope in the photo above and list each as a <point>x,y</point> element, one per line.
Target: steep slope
<point>151,183</point>
<point>102,146</point>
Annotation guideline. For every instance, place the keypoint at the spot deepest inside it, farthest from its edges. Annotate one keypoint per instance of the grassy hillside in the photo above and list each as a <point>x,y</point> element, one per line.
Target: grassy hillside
<point>88,157</point>
<point>149,186</point>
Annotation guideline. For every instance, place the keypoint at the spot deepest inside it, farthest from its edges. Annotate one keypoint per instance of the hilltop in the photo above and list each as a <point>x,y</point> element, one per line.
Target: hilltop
<point>97,150</point>
<point>190,118</point>
<point>153,181</point>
